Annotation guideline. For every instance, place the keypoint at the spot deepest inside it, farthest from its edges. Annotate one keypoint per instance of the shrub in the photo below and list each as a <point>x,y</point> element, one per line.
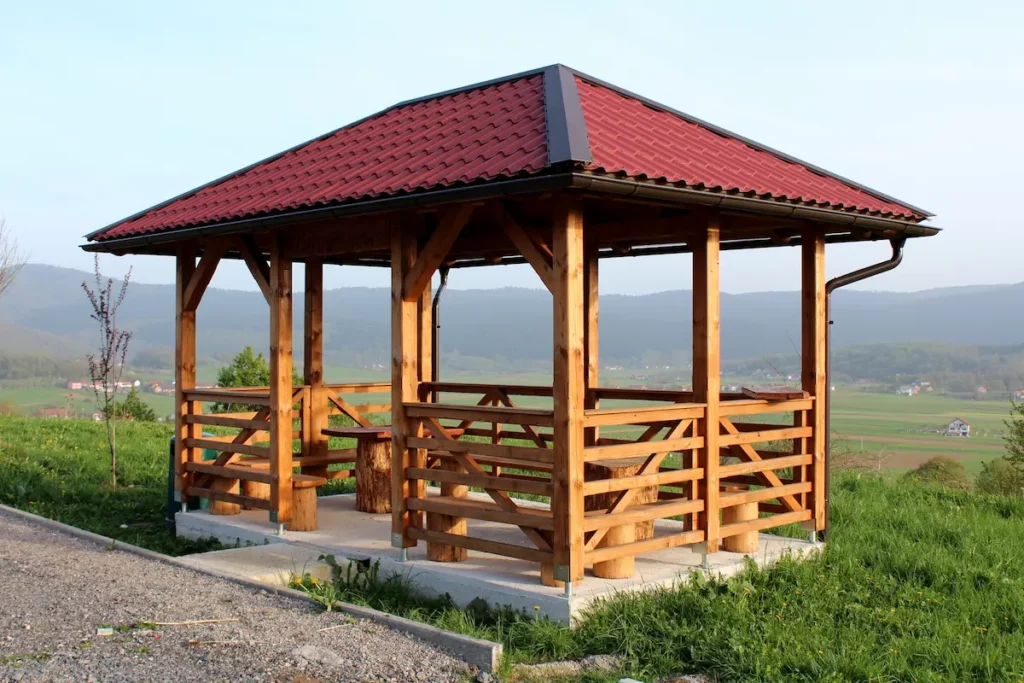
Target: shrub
<point>1001,477</point>
<point>134,408</point>
<point>944,471</point>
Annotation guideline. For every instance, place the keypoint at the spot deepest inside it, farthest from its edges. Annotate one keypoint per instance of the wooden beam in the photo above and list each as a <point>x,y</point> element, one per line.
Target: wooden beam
<point>184,369</point>
<point>569,389</point>
<point>404,381</point>
<point>203,273</point>
<point>535,254</point>
<point>436,250</point>
<point>317,410</point>
<point>707,372</point>
<point>812,374</point>
<point>253,257</point>
<point>280,383</point>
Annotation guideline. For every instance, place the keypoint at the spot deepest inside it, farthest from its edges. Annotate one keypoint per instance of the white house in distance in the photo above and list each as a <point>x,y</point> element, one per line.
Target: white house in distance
<point>958,427</point>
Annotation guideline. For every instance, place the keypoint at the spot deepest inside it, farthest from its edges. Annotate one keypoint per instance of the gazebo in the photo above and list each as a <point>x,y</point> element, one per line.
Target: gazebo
<point>559,170</point>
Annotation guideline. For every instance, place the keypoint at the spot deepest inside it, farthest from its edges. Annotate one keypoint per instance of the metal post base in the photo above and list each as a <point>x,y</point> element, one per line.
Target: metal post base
<point>568,590</point>
<point>706,563</point>
<point>280,529</point>
<point>403,555</point>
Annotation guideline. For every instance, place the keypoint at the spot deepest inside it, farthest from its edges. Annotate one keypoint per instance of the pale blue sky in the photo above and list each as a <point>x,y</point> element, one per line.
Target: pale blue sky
<point>106,108</point>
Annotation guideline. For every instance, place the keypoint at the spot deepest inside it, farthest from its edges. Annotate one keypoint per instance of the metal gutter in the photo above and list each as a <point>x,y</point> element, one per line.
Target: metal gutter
<point>671,193</point>
<point>545,183</point>
<point>831,286</point>
<point>435,337</point>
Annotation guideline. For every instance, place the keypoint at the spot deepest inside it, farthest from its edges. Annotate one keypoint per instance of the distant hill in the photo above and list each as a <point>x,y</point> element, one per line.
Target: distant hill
<point>46,309</point>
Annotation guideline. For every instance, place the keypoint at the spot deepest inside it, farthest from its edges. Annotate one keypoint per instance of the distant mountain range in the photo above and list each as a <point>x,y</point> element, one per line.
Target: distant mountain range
<point>45,312</point>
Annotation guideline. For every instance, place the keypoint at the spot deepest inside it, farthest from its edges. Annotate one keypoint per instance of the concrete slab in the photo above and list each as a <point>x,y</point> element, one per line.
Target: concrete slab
<point>347,533</point>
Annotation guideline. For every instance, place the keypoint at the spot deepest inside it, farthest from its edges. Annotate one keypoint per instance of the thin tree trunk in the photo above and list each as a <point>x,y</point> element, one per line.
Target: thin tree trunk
<point>113,450</point>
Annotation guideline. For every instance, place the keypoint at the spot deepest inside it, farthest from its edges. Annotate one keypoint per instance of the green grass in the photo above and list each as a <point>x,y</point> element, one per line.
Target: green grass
<point>917,584</point>
<point>60,469</point>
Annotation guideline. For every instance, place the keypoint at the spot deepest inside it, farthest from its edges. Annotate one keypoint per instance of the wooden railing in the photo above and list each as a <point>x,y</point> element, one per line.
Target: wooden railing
<point>244,454</point>
<point>641,466</point>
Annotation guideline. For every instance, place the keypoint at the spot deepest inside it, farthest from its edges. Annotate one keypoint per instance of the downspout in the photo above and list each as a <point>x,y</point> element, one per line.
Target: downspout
<point>435,338</point>
<point>832,285</point>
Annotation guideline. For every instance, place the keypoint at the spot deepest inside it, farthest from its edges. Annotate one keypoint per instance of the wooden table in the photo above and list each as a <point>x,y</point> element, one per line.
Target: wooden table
<point>373,465</point>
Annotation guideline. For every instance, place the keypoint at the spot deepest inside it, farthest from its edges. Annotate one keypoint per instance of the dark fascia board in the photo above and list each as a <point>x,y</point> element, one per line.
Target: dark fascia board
<point>563,116</point>
<point>466,193</point>
<point>234,174</point>
<point>597,185</point>
<point>752,143</point>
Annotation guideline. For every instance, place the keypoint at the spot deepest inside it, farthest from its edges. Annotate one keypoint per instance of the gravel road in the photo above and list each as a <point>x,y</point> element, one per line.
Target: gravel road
<point>57,591</point>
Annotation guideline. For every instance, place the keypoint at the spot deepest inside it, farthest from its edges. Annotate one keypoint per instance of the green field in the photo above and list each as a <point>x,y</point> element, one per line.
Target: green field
<point>904,427</point>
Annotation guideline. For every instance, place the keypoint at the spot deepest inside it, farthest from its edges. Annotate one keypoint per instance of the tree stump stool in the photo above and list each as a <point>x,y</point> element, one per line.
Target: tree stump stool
<point>255,489</point>
<point>620,567</point>
<point>443,552</point>
<point>373,466</point>
<point>304,502</point>
<point>746,542</point>
<point>220,507</point>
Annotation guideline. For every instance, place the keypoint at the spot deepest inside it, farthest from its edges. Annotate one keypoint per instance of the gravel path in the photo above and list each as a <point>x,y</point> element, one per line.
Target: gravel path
<point>56,591</point>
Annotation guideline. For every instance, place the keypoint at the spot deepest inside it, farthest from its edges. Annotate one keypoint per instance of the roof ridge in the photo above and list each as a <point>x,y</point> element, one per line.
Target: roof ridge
<point>563,118</point>
<point>747,141</point>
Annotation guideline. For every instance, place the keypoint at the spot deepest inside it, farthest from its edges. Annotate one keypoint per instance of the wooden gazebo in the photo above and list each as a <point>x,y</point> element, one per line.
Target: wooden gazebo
<point>556,169</point>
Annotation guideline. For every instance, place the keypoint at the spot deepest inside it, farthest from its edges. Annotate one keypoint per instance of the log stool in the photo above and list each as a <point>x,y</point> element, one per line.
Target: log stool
<point>220,507</point>
<point>747,542</point>
<point>443,552</point>
<point>255,489</point>
<point>304,502</point>
<point>373,465</point>
<point>620,567</point>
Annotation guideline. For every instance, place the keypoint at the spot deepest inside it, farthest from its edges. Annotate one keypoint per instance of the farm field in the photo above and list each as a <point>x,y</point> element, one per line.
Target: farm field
<point>904,427</point>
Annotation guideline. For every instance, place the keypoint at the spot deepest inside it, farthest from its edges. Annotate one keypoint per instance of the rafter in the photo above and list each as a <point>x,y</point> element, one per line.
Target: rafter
<point>536,255</point>
<point>435,251</point>
<point>202,275</point>
<point>258,266</point>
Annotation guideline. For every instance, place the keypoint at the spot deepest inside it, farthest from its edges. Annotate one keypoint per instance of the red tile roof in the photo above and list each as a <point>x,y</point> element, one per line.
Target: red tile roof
<point>524,125</point>
<point>631,138</point>
<point>471,136</point>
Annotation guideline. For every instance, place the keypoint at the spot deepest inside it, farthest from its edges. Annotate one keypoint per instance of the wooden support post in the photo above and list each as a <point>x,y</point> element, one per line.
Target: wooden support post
<point>706,371</point>
<point>280,383</point>
<point>373,475</point>
<point>315,408</point>
<point>405,344</point>
<point>812,373</point>
<point>184,371</point>
<point>568,390</point>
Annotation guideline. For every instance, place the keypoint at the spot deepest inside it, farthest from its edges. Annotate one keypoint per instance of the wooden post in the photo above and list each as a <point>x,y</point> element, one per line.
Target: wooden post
<point>568,390</point>
<point>184,370</point>
<point>405,346</point>
<point>812,373</point>
<point>315,408</point>
<point>373,475</point>
<point>706,371</point>
<point>280,383</point>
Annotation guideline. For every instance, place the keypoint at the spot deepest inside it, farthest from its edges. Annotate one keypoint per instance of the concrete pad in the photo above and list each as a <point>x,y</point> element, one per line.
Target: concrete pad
<point>346,533</point>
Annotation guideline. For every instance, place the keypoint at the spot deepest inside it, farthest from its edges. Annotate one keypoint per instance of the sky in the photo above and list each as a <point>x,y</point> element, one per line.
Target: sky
<point>108,108</point>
